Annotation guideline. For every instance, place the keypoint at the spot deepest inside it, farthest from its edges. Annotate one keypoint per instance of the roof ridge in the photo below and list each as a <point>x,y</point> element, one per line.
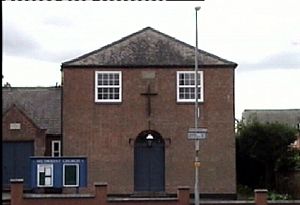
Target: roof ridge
<point>295,109</point>
<point>29,87</point>
<point>186,44</point>
<point>31,90</point>
<point>107,46</point>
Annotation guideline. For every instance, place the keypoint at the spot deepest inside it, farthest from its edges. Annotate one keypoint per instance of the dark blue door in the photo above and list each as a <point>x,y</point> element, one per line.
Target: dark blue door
<point>15,162</point>
<point>149,166</point>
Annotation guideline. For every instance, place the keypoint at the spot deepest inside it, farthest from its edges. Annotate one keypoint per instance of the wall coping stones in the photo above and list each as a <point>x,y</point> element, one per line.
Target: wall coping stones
<point>41,196</point>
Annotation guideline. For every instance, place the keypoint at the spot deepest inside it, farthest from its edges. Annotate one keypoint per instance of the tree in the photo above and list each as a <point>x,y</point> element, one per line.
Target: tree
<point>261,148</point>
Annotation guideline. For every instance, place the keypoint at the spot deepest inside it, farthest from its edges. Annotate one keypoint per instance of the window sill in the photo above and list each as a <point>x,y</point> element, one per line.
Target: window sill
<point>188,102</point>
<point>108,103</point>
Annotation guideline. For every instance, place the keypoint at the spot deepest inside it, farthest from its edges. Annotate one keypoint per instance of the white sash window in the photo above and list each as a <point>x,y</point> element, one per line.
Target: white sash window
<point>186,86</point>
<point>108,86</point>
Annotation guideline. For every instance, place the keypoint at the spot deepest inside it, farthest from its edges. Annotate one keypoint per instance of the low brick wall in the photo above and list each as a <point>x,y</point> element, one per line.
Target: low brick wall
<point>99,197</point>
<point>289,182</point>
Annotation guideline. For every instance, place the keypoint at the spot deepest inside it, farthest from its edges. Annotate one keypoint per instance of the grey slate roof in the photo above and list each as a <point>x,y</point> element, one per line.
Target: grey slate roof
<point>285,116</point>
<point>41,104</point>
<point>147,47</point>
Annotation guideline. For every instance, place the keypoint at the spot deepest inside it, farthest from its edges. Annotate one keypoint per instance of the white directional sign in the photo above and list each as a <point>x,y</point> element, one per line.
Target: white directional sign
<point>197,133</point>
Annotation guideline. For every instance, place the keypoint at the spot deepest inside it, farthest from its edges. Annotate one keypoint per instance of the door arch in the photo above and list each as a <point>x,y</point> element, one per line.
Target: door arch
<point>149,162</point>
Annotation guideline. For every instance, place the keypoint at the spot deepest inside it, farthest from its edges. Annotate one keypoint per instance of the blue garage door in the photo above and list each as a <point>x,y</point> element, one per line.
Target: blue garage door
<point>15,162</point>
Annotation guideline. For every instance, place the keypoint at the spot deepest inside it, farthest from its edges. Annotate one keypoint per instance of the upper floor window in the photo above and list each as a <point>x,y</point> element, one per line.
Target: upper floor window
<point>108,86</point>
<point>55,148</point>
<point>186,86</point>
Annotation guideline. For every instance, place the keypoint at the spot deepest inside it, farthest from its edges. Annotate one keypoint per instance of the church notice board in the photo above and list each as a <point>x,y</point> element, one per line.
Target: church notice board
<point>58,172</point>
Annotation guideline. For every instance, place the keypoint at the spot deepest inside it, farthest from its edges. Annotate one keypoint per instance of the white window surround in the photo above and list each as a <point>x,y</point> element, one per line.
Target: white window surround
<point>48,170</point>
<point>77,175</point>
<point>191,87</point>
<point>53,151</point>
<point>109,88</point>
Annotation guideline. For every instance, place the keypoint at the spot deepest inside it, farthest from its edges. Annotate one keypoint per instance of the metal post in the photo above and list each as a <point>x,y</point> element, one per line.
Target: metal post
<point>197,113</point>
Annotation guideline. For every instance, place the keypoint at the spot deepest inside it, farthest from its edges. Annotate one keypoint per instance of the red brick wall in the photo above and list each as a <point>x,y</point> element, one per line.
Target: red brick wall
<point>103,131</point>
<point>28,132</point>
<point>289,182</point>
<point>99,197</point>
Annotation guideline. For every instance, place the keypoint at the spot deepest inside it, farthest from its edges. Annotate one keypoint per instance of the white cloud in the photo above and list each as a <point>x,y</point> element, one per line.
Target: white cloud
<point>284,60</point>
<point>39,36</point>
<point>25,72</point>
<point>267,89</point>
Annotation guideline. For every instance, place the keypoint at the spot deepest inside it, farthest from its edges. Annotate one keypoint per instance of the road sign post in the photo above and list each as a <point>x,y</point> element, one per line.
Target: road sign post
<point>197,133</point>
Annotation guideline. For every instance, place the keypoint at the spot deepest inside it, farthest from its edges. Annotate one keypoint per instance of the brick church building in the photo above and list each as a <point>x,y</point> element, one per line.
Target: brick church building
<point>128,107</point>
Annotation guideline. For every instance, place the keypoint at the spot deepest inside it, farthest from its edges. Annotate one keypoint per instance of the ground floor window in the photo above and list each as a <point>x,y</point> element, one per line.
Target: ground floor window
<point>71,175</point>
<point>55,148</point>
<point>45,175</point>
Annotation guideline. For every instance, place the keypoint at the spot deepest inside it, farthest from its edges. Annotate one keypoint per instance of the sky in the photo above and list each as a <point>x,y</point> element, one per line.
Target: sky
<point>261,36</point>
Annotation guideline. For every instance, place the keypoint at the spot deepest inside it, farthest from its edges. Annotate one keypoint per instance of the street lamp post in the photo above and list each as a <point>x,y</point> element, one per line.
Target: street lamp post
<point>197,113</point>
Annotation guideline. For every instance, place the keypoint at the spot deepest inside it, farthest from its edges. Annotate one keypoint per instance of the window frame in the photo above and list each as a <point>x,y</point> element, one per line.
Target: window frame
<point>97,100</point>
<point>55,151</point>
<point>77,174</point>
<point>201,99</point>
<point>51,175</point>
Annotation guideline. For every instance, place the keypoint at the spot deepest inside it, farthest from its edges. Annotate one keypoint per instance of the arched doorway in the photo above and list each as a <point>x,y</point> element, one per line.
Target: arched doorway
<point>149,162</point>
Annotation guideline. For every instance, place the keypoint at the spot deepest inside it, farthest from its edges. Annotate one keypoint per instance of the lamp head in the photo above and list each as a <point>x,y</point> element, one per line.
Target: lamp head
<point>197,8</point>
<point>149,139</point>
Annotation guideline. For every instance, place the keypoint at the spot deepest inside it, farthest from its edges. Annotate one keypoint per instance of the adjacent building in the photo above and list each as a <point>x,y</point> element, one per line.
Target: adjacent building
<point>290,117</point>
<point>31,126</point>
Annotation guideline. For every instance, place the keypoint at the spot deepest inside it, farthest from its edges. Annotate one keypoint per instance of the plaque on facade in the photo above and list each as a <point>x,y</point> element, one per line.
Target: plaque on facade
<point>15,126</point>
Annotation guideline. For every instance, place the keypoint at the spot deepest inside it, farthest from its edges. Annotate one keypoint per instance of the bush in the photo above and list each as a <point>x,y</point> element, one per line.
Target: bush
<point>261,150</point>
<point>245,192</point>
<point>275,196</point>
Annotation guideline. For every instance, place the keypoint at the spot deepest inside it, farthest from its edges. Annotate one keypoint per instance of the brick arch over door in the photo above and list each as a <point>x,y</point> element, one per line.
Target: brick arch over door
<point>149,162</point>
